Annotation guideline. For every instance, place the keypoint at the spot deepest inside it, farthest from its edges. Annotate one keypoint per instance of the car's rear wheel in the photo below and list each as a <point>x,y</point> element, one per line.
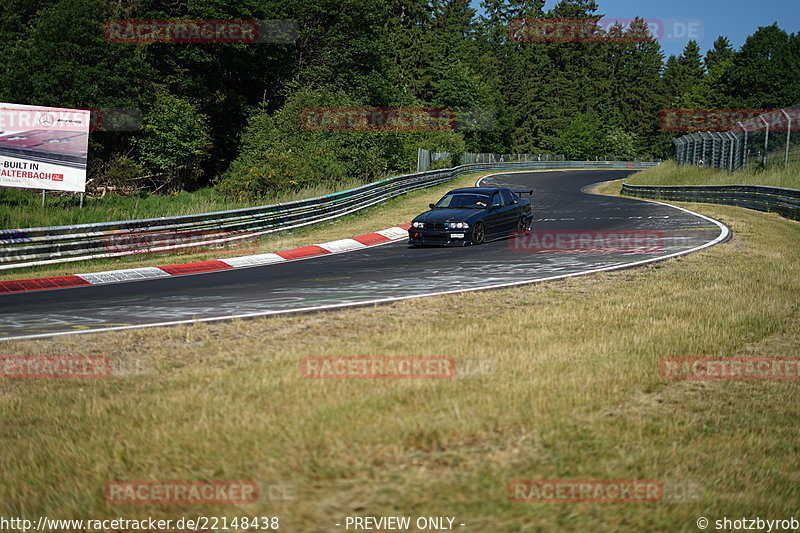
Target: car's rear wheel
<point>479,233</point>
<point>523,225</point>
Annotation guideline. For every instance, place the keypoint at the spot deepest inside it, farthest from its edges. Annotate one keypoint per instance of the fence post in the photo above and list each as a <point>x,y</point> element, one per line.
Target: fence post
<point>703,154</point>
<point>744,148</point>
<point>788,131</point>
<point>766,139</point>
<point>733,145</point>
<point>719,161</point>
<point>689,145</point>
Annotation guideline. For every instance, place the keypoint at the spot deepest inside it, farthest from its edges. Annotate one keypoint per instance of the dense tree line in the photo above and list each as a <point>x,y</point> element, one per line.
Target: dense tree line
<point>229,113</point>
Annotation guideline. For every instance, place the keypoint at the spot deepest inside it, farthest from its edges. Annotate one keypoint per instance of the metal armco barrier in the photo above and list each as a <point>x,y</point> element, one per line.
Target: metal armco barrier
<point>785,202</point>
<point>59,244</point>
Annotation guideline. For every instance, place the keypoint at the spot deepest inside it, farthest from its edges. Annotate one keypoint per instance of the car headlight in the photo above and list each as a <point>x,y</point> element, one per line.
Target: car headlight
<point>457,225</point>
<point>418,224</point>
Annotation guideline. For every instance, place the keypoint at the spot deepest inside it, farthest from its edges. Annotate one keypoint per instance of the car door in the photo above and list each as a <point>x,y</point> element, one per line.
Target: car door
<point>515,209</point>
<point>493,218</point>
<point>500,216</point>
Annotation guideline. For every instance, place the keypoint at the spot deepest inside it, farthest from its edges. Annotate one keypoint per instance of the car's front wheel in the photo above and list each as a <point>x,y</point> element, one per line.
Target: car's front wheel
<point>479,233</point>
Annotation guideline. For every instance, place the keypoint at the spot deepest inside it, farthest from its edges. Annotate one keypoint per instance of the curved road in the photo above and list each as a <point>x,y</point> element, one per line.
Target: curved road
<point>378,274</point>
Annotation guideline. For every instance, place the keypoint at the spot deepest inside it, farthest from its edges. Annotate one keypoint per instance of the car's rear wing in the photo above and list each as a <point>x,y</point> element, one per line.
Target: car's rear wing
<point>524,192</point>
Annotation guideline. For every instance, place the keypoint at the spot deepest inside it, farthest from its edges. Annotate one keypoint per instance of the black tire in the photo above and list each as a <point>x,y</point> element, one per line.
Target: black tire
<point>522,225</point>
<point>479,233</point>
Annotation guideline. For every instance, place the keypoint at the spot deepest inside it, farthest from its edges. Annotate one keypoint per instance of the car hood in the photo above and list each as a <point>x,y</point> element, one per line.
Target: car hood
<point>448,215</point>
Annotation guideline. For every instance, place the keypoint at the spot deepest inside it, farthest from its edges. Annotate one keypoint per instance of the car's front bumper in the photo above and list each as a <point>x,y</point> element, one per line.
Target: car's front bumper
<point>426,237</point>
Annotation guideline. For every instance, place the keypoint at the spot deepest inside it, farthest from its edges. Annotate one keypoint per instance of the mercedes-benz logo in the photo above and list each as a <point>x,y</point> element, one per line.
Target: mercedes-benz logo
<point>46,120</point>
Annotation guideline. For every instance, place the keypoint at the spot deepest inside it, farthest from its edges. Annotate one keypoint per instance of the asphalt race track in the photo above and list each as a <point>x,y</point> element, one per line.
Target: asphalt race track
<point>378,274</point>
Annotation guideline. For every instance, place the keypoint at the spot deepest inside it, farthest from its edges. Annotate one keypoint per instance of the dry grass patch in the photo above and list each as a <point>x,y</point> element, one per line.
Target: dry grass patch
<point>576,394</point>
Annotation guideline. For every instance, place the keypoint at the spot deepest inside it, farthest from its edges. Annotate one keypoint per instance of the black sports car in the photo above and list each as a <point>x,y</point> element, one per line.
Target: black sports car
<point>471,216</point>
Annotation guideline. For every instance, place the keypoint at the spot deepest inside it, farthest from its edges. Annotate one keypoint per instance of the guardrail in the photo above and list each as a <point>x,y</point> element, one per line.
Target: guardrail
<point>785,202</point>
<point>40,246</point>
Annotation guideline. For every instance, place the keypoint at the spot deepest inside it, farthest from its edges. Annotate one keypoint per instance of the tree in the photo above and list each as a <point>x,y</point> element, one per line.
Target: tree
<point>575,81</point>
<point>722,51</point>
<point>764,72</point>
<point>692,64</point>
<point>175,142</point>
<point>619,144</point>
<point>280,151</point>
<point>65,62</point>
<point>638,93</point>
<point>582,139</point>
<point>672,78</point>
<point>681,74</point>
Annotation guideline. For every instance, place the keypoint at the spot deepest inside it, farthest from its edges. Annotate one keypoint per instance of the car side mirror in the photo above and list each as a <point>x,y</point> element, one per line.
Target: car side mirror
<point>431,205</point>
<point>495,206</point>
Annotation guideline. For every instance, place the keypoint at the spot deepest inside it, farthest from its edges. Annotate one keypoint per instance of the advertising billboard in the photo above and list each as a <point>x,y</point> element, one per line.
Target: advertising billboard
<point>43,147</point>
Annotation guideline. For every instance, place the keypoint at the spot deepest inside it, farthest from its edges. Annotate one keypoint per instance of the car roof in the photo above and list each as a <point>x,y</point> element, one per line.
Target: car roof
<point>481,190</point>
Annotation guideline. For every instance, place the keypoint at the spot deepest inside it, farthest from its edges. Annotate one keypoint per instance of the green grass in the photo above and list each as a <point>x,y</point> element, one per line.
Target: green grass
<point>670,173</point>
<point>22,208</point>
<point>576,394</point>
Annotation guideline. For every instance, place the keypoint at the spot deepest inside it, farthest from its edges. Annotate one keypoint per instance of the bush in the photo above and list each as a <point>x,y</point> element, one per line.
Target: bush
<point>175,142</point>
<point>277,153</point>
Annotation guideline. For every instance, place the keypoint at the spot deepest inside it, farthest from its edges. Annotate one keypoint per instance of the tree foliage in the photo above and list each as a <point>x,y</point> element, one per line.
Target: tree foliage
<point>228,113</point>
<point>175,140</point>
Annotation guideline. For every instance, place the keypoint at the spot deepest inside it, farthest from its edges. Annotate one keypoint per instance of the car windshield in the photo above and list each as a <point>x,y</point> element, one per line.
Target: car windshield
<point>463,200</point>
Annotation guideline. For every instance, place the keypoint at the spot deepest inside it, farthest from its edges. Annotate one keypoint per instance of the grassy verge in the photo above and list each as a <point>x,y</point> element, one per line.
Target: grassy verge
<point>396,211</point>
<point>670,173</point>
<point>576,394</point>
<point>22,208</point>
